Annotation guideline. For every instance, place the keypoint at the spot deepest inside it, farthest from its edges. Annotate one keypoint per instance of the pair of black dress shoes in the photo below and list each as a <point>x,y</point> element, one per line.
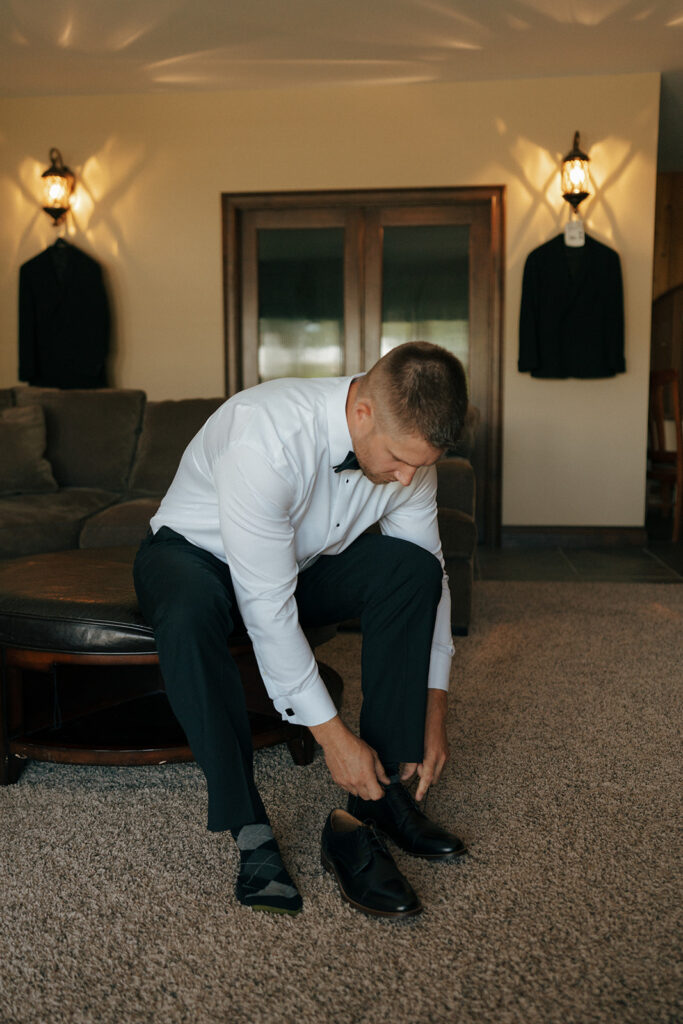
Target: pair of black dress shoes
<point>353,850</point>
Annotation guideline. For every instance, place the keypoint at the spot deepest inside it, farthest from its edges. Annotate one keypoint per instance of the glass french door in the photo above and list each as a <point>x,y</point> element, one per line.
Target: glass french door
<point>324,284</point>
<point>299,295</point>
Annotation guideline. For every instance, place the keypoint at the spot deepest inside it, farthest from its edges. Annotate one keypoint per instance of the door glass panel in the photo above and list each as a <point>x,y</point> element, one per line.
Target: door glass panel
<point>300,302</point>
<point>425,287</point>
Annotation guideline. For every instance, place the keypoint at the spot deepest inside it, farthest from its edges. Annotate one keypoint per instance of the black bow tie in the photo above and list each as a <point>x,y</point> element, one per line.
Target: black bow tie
<point>350,462</point>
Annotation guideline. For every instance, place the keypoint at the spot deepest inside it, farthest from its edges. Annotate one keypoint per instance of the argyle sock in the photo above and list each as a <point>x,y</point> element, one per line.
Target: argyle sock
<point>263,882</point>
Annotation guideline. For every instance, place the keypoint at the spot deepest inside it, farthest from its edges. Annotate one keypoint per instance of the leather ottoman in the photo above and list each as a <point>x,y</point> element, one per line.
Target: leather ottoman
<point>79,679</point>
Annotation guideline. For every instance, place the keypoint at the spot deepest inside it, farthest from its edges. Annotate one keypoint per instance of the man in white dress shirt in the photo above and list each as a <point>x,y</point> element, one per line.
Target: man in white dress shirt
<point>266,518</point>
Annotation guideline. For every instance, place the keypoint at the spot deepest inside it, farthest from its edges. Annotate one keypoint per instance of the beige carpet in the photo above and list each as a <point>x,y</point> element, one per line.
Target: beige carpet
<point>116,905</point>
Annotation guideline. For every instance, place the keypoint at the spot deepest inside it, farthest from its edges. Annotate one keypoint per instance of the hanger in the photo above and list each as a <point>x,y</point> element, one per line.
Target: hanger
<point>574,233</point>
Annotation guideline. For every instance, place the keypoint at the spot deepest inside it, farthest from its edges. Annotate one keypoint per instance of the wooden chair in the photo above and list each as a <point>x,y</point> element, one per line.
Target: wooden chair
<point>665,464</point>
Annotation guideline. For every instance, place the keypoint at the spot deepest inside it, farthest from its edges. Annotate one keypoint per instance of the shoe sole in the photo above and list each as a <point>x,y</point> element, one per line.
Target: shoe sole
<point>431,856</point>
<point>329,866</point>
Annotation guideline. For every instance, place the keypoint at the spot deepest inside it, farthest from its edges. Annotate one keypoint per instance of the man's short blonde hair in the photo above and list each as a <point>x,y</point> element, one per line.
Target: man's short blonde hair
<point>419,388</point>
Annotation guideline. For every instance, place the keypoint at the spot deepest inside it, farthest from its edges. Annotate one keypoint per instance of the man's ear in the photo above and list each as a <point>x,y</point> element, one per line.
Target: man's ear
<point>363,415</point>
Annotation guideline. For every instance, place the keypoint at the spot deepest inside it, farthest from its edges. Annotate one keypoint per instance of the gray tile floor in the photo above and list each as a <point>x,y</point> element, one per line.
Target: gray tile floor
<point>659,562</point>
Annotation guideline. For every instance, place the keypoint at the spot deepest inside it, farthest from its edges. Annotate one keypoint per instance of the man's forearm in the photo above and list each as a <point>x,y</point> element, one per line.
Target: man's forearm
<point>331,731</point>
<point>353,764</point>
<point>437,701</point>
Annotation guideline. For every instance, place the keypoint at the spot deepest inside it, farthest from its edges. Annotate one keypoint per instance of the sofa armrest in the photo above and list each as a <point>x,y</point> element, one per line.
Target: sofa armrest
<point>6,398</point>
<point>456,485</point>
<point>458,533</point>
<point>468,436</point>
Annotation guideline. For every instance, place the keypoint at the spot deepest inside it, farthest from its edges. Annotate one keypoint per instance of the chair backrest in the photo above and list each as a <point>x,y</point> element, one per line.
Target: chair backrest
<point>665,404</point>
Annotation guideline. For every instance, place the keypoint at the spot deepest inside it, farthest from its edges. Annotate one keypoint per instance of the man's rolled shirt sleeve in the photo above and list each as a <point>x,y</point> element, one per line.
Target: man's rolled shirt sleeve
<point>257,533</point>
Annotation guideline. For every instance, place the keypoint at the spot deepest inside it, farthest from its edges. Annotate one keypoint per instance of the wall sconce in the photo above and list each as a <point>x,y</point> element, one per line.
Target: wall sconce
<point>575,175</point>
<point>58,184</point>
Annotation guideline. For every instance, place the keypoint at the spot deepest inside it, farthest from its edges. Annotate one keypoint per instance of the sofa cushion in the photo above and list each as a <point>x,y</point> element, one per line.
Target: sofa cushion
<point>91,434</point>
<point>23,466</point>
<point>168,427</point>
<point>33,523</point>
<point>126,522</point>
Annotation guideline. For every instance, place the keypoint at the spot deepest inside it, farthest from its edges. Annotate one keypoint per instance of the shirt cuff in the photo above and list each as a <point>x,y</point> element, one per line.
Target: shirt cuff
<point>312,706</point>
<point>439,669</point>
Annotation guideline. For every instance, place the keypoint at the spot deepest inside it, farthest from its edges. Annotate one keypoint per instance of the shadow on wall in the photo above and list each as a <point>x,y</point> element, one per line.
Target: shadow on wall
<point>104,182</point>
<point>534,173</point>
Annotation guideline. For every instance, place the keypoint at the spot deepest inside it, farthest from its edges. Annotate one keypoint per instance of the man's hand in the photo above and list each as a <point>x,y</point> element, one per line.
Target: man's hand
<point>436,744</point>
<point>353,764</point>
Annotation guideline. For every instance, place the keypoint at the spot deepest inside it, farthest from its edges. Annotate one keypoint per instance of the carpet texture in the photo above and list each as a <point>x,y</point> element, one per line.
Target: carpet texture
<point>117,905</point>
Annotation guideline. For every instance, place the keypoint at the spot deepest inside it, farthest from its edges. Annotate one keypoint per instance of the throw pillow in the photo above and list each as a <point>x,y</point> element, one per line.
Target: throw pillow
<point>23,467</point>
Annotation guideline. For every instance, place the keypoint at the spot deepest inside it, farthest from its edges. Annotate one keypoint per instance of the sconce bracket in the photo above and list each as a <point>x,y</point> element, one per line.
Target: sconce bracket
<point>575,198</point>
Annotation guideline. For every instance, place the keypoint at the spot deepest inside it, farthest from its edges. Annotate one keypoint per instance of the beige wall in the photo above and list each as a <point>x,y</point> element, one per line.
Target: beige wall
<point>151,170</point>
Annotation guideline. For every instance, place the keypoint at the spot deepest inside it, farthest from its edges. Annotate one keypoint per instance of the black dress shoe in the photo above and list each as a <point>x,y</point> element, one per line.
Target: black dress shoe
<point>397,815</point>
<point>365,870</point>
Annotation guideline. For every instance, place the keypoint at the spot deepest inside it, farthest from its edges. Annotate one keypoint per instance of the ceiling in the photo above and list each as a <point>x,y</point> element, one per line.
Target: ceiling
<point>61,47</point>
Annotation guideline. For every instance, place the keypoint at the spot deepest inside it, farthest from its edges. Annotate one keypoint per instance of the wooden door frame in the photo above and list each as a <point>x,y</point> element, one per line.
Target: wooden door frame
<point>235,205</point>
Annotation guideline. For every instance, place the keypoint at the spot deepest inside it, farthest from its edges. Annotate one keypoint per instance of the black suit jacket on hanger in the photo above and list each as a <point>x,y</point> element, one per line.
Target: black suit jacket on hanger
<point>63,320</point>
<point>572,315</point>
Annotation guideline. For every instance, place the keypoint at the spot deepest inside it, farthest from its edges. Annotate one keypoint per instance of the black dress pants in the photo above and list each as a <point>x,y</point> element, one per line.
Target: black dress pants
<point>187,597</point>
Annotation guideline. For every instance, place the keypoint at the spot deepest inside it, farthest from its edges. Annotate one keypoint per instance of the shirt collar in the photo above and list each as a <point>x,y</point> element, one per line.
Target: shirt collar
<point>338,436</point>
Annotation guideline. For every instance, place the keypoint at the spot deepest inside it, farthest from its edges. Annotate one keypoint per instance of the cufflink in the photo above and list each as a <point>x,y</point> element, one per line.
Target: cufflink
<point>289,711</point>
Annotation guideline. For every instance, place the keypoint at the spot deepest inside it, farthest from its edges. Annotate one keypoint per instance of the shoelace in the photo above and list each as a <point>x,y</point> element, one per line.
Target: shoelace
<point>373,838</point>
<point>407,802</point>
<point>369,839</point>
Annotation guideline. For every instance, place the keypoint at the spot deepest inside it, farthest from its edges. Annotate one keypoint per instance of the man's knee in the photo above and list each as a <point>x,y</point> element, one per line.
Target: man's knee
<point>401,561</point>
<point>423,566</point>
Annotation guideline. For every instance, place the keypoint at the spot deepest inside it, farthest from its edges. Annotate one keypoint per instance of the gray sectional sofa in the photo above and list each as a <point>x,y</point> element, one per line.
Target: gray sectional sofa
<point>87,469</point>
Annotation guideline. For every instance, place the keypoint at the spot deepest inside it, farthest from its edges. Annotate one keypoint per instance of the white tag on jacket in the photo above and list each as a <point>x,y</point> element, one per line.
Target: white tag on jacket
<point>574,234</point>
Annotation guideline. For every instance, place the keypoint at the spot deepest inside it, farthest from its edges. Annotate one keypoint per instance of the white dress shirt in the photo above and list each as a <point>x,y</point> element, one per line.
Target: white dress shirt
<point>256,487</point>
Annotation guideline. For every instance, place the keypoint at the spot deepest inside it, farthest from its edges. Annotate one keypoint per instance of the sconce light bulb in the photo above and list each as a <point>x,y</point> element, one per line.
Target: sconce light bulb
<point>57,191</point>
<point>577,175</point>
